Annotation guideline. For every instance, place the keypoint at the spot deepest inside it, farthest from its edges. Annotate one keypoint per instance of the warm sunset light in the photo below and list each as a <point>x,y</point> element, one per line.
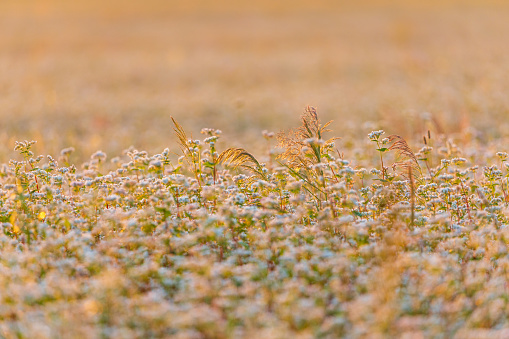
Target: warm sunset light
<point>254,169</point>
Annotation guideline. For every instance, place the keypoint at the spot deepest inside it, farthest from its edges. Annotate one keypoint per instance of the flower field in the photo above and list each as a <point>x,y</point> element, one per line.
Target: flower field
<point>370,240</point>
<point>178,185</point>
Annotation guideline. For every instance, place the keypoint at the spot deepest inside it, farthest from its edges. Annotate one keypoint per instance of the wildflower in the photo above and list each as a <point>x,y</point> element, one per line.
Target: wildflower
<point>67,151</point>
<point>502,155</point>
<point>459,161</point>
<point>99,155</point>
<point>268,135</point>
<point>375,135</point>
<point>112,197</point>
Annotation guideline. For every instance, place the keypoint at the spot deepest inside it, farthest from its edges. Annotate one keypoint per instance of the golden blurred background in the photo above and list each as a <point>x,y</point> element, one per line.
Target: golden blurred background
<point>108,74</point>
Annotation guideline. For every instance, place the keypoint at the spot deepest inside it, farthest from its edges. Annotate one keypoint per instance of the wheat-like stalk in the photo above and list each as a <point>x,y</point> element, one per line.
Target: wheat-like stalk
<point>184,146</point>
<point>238,157</point>
<point>181,135</point>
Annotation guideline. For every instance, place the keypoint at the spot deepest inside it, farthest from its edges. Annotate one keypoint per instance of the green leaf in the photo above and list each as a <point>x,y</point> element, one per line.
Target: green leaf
<point>166,213</point>
<point>382,149</point>
<point>357,213</point>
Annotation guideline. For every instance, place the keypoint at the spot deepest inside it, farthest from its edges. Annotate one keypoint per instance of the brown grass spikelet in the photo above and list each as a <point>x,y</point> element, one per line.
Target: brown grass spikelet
<point>303,149</point>
<point>181,134</point>
<point>298,151</point>
<point>238,157</point>
<point>406,160</point>
<point>184,146</point>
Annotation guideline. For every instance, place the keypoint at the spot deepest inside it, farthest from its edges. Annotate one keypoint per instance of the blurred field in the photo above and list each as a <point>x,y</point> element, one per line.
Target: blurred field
<point>369,240</point>
<point>107,76</point>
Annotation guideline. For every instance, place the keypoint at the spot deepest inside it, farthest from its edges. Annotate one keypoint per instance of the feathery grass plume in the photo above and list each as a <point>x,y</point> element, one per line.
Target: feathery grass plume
<point>304,149</point>
<point>405,157</point>
<point>302,145</point>
<point>238,157</point>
